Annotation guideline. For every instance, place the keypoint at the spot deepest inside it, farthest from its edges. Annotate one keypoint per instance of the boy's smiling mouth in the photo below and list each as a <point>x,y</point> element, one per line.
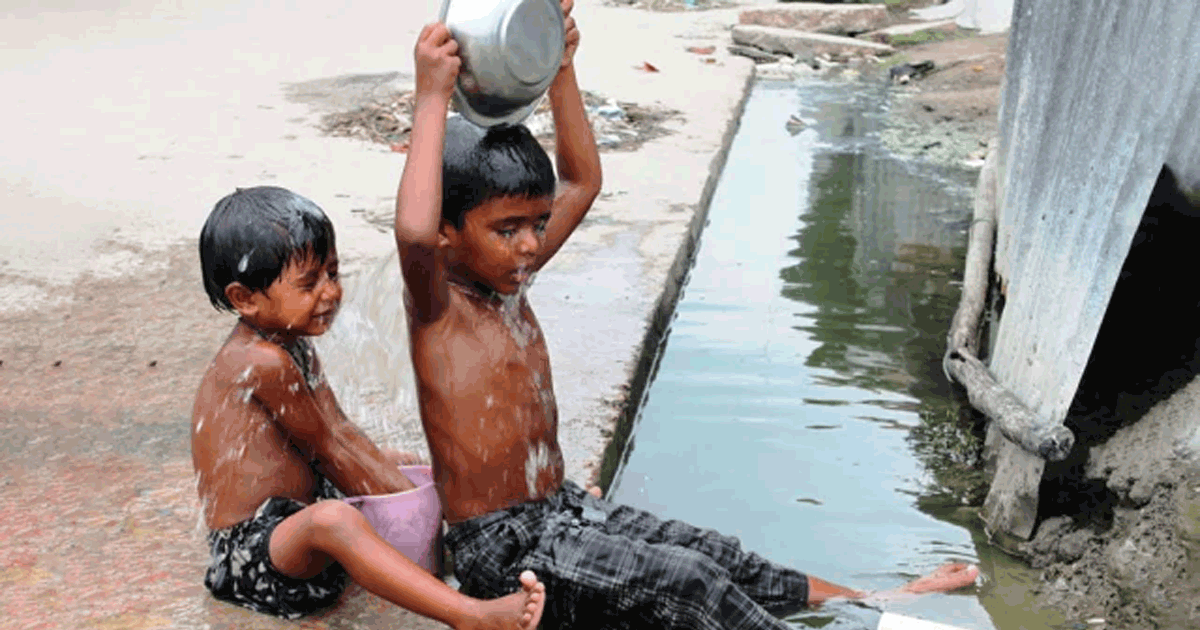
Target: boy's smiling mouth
<point>325,318</point>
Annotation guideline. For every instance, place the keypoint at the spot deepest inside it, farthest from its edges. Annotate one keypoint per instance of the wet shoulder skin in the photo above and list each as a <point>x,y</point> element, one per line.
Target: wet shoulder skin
<point>241,454</point>
<point>487,403</point>
<point>258,429</point>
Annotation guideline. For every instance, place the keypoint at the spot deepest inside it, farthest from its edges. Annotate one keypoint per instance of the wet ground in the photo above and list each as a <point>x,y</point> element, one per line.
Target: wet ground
<point>799,402</point>
<point>98,510</point>
<point>128,120</point>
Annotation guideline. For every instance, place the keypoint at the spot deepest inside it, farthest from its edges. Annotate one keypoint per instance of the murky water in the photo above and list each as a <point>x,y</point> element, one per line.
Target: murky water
<point>799,401</point>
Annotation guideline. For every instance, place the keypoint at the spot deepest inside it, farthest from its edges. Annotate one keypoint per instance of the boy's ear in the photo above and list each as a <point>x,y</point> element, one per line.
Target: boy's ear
<point>448,235</point>
<point>242,299</point>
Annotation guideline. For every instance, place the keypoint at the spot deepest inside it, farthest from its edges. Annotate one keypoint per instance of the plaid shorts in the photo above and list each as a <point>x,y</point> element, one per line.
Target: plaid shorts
<point>240,570</point>
<point>612,566</point>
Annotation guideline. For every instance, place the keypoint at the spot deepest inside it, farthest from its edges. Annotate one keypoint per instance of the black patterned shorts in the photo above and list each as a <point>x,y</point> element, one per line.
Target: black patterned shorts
<point>612,566</point>
<point>240,570</point>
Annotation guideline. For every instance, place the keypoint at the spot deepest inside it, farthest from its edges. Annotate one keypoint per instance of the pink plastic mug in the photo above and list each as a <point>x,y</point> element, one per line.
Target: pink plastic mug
<point>411,521</point>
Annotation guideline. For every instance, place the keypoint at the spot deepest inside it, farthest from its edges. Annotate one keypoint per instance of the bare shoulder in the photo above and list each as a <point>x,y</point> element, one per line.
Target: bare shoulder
<point>241,368</point>
<point>243,350</point>
<point>249,366</point>
<point>266,364</point>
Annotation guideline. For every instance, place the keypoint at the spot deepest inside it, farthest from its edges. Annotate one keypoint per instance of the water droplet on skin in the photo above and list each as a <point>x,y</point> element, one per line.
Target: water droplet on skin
<point>247,394</point>
<point>489,402</point>
<point>545,395</point>
<point>294,387</point>
<point>199,425</point>
<point>245,375</point>
<point>537,460</point>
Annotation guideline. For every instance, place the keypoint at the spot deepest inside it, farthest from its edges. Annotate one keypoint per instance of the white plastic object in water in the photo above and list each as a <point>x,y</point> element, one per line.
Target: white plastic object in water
<point>986,16</point>
<point>892,621</point>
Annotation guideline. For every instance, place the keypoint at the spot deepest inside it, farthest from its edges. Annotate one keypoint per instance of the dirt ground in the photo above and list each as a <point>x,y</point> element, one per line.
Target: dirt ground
<point>1134,569</point>
<point>618,126</point>
<point>950,114</point>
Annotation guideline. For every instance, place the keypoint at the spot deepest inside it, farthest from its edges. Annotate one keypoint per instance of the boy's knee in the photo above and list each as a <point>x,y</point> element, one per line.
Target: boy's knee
<point>335,518</point>
<point>697,575</point>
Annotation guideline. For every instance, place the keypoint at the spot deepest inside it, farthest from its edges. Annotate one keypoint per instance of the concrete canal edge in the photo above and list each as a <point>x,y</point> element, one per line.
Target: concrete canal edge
<point>646,363</point>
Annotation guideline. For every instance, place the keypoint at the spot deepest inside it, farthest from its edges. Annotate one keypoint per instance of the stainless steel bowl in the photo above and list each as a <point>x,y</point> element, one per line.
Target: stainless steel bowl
<point>511,51</point>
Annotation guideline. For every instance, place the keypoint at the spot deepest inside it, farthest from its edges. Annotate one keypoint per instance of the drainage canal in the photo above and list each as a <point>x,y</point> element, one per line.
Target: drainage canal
<point>799,402</point>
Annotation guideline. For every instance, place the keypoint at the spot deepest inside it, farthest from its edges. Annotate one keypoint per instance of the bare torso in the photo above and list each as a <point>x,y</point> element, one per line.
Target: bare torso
<point>241,455</point>
<point>487,404</point>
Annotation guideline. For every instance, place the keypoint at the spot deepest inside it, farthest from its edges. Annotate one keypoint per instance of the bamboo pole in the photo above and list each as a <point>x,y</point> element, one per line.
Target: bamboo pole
<point>1013,418</point>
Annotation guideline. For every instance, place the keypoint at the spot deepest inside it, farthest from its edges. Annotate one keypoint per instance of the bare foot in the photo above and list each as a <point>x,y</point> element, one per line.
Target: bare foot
<point>520,611</point>
<point>536,603</point>
<point>948,577</point>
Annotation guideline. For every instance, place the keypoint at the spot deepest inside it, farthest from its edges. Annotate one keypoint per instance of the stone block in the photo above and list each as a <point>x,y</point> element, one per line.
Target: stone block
<point>804,45</point>
<point>833,19</point>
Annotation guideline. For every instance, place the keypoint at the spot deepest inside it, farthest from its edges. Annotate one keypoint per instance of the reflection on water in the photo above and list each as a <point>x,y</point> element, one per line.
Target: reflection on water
<point>799,402</point>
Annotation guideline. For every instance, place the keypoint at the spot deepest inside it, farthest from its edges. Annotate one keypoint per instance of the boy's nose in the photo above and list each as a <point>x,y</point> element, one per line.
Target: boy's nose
<point>530,242</point>
<point>333,291</point>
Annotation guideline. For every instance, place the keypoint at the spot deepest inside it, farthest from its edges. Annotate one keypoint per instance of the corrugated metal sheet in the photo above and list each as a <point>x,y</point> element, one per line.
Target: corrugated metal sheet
<point>1098,92</point>
<point>1184,156</point>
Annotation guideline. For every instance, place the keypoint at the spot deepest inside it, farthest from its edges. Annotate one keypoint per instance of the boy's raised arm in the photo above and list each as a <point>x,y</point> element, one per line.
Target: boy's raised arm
<point>419,199</point>
<point>576,156</point>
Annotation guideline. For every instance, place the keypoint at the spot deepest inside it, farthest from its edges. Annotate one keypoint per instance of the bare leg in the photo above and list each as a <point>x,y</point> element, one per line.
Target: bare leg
<point>948,577</point>
<point>332,531</point>
<point>820,591</point>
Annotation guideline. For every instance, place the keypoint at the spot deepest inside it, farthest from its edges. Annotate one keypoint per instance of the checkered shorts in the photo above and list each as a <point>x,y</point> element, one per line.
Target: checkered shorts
<point>240,570</point>
<point>612,566</point>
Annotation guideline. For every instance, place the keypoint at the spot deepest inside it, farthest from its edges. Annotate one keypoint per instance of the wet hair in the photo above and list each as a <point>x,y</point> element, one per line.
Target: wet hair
<point>480,164</point>
<point>253,233</point>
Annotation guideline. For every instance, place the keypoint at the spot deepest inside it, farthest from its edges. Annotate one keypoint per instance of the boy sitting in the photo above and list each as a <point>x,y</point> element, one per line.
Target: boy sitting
<point>269,441</point>
<point>478,212</point>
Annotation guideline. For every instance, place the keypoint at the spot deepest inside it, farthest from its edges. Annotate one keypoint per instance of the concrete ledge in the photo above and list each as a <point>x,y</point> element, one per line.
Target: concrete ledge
<point>833,19</point>
<point>805,45</point>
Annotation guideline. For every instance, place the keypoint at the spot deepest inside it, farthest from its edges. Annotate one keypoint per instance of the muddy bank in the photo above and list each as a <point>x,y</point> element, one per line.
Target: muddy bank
<point>1128,567</point>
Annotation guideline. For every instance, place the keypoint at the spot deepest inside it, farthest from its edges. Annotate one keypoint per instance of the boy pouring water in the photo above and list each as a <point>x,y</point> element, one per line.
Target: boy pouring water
<point>477,214</point>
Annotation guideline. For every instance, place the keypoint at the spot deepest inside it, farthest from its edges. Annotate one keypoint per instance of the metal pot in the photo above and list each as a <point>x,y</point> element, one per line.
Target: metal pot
<point>511,51</point>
